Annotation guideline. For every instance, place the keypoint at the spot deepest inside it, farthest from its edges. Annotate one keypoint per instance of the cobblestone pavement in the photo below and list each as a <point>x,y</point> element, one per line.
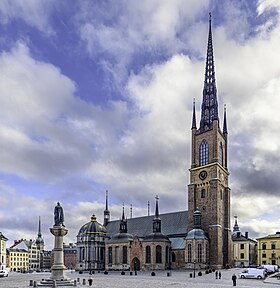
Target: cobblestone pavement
<point>178,279</point>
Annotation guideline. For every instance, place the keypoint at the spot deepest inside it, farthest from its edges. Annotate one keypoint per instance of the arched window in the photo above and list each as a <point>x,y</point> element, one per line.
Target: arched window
<point>117,255</point>
<point>167,255</point>
<point>199,253</point>
<point>221,154</point>
<point>203,153</point>
<point>124,254</point>
<point>173,259</point>
<point>203,193</point>
<point>148,254</point>
<point>189,253</point>
<point>110,255</point>
<point>158,254</point>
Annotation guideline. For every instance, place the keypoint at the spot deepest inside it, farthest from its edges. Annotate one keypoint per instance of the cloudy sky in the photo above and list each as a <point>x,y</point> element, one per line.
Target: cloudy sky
<point>97,95</point>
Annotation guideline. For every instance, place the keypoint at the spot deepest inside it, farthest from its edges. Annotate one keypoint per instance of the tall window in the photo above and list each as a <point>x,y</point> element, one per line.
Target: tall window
<point>189,253</point>
<point>203,193</point>
<point>264,246</point>
<point>124,255</point>
<point>167,255</point>
<point>221,154</point>
<point>110,255</point>
<point>173,257</point>
<point>117,255</point>
<point>199,253</point>
<point>203,153</point>
<point>148,254</point>
<point>158,254</point>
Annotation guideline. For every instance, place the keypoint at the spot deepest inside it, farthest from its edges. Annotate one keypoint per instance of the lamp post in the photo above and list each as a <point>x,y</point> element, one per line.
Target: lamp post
<point>194,268</point>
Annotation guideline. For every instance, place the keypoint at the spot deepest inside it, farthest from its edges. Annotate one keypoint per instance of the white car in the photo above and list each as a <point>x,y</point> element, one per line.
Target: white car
<point>4,273</point>
<point>253,273</point>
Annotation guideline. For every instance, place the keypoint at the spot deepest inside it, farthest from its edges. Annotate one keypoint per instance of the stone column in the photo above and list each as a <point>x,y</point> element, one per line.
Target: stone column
<point>58,268</point>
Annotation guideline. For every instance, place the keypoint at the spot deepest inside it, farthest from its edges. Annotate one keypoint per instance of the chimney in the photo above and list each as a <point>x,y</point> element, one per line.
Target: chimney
<point>246,235</point>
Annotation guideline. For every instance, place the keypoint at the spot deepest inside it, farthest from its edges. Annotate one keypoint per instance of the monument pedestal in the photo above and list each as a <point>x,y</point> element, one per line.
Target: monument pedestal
<point>58,277</point>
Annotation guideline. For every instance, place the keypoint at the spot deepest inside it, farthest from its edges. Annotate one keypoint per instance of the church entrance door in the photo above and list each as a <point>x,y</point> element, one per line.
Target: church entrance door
<point>135,264</point>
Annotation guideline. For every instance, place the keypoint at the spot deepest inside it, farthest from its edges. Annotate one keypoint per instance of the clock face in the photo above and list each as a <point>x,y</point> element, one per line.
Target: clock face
<point>202,175</point>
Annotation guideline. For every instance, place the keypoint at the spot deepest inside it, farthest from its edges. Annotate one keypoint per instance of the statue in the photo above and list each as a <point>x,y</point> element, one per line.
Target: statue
<point>58,215</point>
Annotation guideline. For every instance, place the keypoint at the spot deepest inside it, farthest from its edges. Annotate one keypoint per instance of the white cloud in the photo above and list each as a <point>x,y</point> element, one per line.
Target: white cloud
<point>35,13</point>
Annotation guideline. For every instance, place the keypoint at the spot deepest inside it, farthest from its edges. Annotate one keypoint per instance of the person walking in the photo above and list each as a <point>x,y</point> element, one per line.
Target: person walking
<point>233,279</point>
<point>216,273</point>
<point>220,275</point>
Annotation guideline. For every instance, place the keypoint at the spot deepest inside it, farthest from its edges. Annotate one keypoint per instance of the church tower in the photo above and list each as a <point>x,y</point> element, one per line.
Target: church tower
<point>208,190</point>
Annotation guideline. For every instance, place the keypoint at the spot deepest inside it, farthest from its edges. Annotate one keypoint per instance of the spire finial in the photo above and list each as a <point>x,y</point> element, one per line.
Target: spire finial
<point>148,208</point>
<point>209,16</point>
<point>123,218</point>
<point>225,120</point>
<point>106,206</point>
<point>157,212</point>
<point>39,228</point>
<point>130,211</point>
<point>194,117</point>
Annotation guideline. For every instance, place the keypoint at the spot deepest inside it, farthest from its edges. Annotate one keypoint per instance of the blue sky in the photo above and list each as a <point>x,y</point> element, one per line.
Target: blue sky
<point>97,95</point>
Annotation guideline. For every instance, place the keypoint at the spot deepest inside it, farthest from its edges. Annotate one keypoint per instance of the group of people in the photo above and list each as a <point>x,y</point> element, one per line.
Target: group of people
<point>218,275</point>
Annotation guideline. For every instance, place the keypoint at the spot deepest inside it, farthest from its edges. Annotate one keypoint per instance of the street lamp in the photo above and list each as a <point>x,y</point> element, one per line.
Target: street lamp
<point>194,268</point>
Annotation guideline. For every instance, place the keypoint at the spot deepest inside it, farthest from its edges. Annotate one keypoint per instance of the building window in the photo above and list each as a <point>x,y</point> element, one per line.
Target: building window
<point>189,253</point>
<point>124,254</point>
<point>173,257</point>
<point>199,253</point>
<point>167,255</point>
<point>242,246</point>
<point>203,153</point>
<point>242,255</point>
<point>203,193</point>
<point>273,246</point>
<point>110,255</point>
<point>264,255</point>
<point>264,246</point>
<point>158,254</point>
<point>148,254</point>
<point>117,255</point>
<point>221,154</point>
<point>273,255</point>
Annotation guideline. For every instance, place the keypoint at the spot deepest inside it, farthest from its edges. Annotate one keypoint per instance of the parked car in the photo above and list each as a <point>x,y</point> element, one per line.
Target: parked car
<point>4,273</point>
<point>270,268</point>
<point>253,273</point>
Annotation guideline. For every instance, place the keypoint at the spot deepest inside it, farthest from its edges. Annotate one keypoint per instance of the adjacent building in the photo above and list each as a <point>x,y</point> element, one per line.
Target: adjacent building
<point>269,249</point>
<point>18,259</point>
<point>70,255</point>
<point>3,256</point>
<point>244,248</point>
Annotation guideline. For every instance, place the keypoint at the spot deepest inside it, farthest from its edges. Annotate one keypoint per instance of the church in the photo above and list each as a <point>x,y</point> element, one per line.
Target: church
<point>197,238</point>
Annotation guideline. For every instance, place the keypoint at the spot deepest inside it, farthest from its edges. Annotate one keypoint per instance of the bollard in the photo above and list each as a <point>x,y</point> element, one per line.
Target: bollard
<point>31,283</point>
<point>153,274</point>
<point>90,282</point>
<point>84,281</point>
<point>78,279</point>
<point>168,274</point>
<point>54,283</point>
<point>190,275</point>
<point>34,284</point>
<point>122,273</point>
<point>75,283</point>
<point>130,273</point>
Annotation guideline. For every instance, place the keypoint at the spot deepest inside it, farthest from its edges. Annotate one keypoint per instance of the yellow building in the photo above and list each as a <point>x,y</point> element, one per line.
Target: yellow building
<point>18,259</point>
<point>244,248</point>
<point>3,241</point>
<point>269,249</point>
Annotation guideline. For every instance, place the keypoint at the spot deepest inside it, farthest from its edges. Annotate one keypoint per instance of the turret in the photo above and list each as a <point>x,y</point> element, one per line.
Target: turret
<point>156,220</point>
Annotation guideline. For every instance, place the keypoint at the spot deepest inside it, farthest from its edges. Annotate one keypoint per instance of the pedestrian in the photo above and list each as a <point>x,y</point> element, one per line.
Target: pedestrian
<point>216,273</point>
<point>90,281</point>
<point>233,279</point>
<point>220,275</point>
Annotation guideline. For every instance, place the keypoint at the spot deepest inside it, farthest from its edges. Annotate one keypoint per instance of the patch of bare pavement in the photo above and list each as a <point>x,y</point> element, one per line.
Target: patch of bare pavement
<point>143,279</point>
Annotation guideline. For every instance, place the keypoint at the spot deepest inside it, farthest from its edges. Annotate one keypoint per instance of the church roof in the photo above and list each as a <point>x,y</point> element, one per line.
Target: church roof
<point>172,224</point>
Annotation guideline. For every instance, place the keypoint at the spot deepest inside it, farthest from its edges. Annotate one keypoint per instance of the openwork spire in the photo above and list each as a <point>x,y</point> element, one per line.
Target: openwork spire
<point>39,228</point>
<point>106,211</point>
<point>157,221</point>
<point>123,223</point>
<point>209,107</point>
